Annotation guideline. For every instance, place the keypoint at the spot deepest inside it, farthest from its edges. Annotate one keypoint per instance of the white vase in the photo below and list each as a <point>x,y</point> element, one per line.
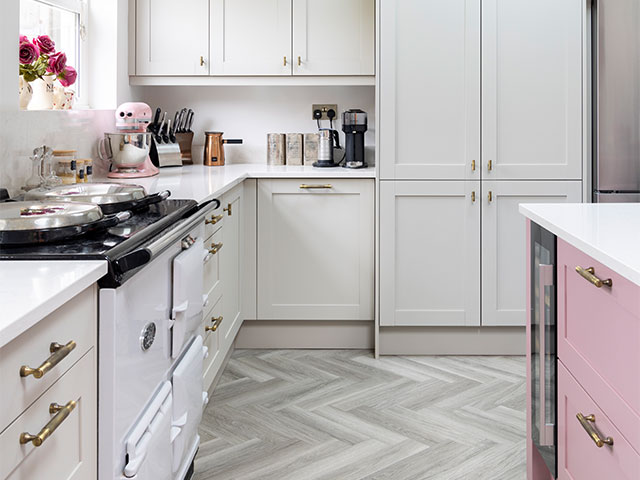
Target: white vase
<point>42,94</point>
<point>25,93</point>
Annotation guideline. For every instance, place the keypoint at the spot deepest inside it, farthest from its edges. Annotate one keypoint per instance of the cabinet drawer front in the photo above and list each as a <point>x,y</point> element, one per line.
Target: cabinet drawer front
<point>212,269</point>
<point>213,221</point>
<point>70,451</point>
<point>599,337</point>
<point>74,321</point>
<point>578,455</point>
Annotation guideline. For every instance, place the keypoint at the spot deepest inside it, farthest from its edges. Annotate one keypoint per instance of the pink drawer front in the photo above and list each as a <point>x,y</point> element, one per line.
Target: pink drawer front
<point>579,458</point>
<point>599,338</point>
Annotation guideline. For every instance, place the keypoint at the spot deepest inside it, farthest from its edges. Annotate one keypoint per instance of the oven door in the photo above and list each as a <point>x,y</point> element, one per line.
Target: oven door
<point>543,345</point>
<point>188,272</point>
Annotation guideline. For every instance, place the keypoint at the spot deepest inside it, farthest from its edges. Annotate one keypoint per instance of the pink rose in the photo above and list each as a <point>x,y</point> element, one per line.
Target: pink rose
<point>68,76</point>
<point>28,52</point>
<point>46,45</point>
<point>57,62</point>
<point>24,38</point>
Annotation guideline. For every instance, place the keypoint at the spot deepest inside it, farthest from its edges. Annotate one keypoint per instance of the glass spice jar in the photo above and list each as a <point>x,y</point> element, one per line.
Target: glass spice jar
<point>65,165</point>
<point>88,169</point>
<point>80,171</point>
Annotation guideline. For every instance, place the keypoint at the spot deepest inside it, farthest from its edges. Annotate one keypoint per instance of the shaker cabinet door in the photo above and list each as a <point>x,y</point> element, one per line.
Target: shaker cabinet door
<point>504,244</point>
<point>333,37</point>
<point>315,249</point>
<point>532,89</point>
<point>430,89</point>
<point>251,37</point>
<point>172,38</point>
<point>430,253</point>
<point>231,265</point>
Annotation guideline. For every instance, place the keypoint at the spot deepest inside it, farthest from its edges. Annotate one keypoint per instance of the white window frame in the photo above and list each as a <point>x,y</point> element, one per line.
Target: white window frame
<point>81,8</point>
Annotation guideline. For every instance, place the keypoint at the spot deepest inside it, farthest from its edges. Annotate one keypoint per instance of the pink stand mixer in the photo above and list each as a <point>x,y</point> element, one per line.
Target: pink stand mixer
<point>128,149</point>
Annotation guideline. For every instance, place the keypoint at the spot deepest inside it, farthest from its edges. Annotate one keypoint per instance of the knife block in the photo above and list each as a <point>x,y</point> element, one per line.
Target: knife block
<point>185,140</point>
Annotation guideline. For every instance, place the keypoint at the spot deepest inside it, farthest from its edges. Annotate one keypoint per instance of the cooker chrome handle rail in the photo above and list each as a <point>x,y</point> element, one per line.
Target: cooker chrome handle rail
<point>61,414</point>
<point>58,353</point>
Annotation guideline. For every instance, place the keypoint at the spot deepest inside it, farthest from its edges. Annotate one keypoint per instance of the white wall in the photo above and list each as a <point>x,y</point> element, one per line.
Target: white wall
<point>252,112</point>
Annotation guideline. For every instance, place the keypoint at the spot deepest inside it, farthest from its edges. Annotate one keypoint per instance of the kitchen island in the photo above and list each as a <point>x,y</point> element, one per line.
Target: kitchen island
<point>583,341</point>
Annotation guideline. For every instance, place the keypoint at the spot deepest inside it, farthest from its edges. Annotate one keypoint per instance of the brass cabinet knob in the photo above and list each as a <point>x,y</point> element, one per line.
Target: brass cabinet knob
<point>228,209</point>
<point>58,353</point>
<point>61,414</point>
<point>215,248</point>
<point>214,219</point>
<point>216,323</point>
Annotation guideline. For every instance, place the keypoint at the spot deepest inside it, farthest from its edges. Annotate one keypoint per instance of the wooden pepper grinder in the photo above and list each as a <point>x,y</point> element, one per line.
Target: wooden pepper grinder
<point>214,148</point>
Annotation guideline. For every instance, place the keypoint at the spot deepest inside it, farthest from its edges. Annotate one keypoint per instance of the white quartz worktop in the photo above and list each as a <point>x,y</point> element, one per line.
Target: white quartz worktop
<point>202,183</point>
<point>31,290</point>
<point>608,232</point>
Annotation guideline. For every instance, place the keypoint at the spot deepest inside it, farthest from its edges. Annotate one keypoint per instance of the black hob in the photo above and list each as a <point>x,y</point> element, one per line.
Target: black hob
<point>112,244</point>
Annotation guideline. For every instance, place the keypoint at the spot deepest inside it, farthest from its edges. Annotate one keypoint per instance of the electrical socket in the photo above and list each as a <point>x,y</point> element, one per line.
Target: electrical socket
<point>324,108</point>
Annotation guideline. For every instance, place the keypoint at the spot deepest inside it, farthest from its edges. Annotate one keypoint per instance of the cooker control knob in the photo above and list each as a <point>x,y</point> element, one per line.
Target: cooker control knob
<point>147,336</point>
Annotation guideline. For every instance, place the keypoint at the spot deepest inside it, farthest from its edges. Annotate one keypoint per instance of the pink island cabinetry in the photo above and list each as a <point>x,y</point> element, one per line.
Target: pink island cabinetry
<point>597,365</point>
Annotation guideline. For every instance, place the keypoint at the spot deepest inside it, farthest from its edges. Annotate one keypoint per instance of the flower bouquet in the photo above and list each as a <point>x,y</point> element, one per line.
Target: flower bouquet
<point>40,67</point>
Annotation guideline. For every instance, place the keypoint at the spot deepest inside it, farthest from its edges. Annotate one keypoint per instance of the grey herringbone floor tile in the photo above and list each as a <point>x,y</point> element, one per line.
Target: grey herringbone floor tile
<point>342,415</point>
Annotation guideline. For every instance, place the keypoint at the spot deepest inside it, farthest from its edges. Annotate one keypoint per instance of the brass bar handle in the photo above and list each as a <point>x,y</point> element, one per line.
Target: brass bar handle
<point>58,353</point>
<point>216,323</point>
<point>315,187</point>
<point>586,423</point>
<point>215,248</point>
<point>61,414</point>
<point>490,165</point>
<point>473,165</point>
<point>589,275</point>
<point>228,209</point>
<point>299,60</point>
<point>201,61</point>
<point>214,219</point>
<point>284,64</point>
<point>490,196</point>
<point>473,197</point>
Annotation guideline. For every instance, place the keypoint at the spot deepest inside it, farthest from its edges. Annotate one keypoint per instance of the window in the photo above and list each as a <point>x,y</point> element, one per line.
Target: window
<point>64,22</point>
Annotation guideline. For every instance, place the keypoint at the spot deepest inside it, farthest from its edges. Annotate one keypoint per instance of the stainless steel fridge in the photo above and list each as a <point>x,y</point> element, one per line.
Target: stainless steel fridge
<point>616,37</point>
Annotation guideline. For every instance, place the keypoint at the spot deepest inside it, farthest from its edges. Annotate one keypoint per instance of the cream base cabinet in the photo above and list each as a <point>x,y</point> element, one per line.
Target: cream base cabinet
<point>430,253</point>
<point>172,38</point>
<point>315,249</point>
<point>430,89</point>
<point>231,265</point>
<point>532,89</point>
<point>333,37</point>
<point>504,244</point>
<point>251,37</point>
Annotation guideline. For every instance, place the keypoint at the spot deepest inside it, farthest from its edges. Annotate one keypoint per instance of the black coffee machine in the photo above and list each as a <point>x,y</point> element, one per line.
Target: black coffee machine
<point>354,124</point>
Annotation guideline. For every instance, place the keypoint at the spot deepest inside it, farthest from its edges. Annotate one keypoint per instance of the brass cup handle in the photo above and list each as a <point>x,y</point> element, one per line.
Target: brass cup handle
<point>62,412</point>
<point>228,209</point>
<point>58,353</point>
<point>215,248</point>
<point>315,187</point>
<point>587,423</point>
<point>589,275</point>
<point>216,323</point>
<point>214,219</point>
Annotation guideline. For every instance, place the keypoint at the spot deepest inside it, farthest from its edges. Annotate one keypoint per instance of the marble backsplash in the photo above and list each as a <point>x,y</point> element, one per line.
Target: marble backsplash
<point>21,132</point>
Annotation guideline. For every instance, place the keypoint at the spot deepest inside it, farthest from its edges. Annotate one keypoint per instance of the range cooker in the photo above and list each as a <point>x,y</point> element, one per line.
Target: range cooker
<point>150,349</point>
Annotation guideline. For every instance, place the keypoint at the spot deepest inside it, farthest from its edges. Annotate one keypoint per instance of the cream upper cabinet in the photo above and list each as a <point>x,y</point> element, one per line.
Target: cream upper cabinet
<point>504,244</point>
<point>315,249</point>
<point>172,38</point>
<point>430,89</point>
<point>333,37</point>
<point>251,37</point>
<point>532,89</point>
<point>430,253</point>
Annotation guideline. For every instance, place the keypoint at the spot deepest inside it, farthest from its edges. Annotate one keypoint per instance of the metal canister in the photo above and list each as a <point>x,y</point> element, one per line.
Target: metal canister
<point>325,145</point>
<point>276,148</point>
